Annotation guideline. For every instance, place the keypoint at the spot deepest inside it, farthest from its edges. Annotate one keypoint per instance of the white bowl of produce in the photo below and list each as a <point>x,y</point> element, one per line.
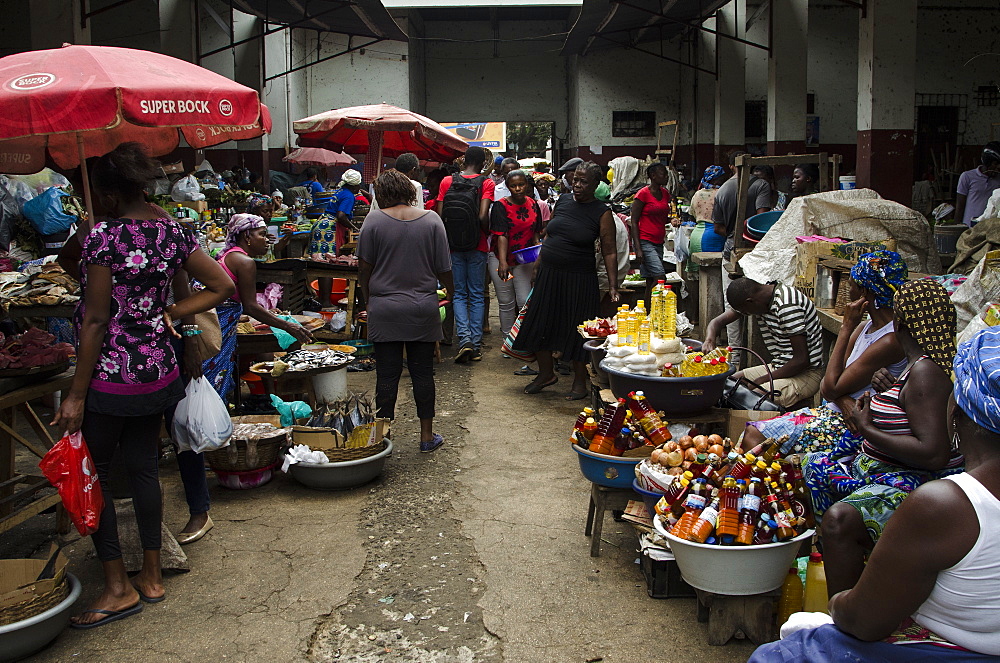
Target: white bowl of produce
<point>733,570</point>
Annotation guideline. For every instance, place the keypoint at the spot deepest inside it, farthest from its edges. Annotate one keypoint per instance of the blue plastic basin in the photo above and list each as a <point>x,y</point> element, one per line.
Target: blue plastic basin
<point>610,471</point>
<point>759,224</point>
<point>649,498</point>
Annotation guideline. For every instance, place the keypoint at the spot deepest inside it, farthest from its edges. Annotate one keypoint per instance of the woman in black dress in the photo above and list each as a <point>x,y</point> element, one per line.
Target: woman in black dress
<point>565,285</point>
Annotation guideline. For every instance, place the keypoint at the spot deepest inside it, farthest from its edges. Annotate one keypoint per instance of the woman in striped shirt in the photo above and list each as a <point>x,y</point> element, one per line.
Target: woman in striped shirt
<point>905,438</point>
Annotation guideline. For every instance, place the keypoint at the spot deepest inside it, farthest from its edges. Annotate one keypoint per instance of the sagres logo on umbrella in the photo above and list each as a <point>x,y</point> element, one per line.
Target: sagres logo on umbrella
<point>32,81</point>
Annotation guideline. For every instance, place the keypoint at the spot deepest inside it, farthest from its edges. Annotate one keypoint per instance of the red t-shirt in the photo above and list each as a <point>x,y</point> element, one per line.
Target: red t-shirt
<point>488,187</point>
<point>655,215</point>
<point>520,223</point>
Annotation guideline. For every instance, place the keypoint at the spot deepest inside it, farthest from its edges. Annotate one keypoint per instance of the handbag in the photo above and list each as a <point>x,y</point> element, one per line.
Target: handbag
<point>210,338</point>
<point>743,394</point>
<point>508,342</point>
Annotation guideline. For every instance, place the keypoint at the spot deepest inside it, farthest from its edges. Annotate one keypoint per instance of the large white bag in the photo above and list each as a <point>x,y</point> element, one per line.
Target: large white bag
<point>186,188</point>
<point>201,421</point>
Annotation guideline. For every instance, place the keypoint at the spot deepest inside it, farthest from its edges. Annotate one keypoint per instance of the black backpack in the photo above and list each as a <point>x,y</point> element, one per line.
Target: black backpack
<point>460,212</point>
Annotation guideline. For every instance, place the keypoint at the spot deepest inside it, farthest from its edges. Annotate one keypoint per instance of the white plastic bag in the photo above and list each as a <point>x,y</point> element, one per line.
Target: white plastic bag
<point>201,421</point>
<point>186,188</point>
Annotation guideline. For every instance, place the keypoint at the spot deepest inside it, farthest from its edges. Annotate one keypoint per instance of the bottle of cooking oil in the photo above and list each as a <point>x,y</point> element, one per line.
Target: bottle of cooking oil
<point>669,316</point>
<point>656,308</point>
<point>621,320</point>
<point>816,597</point>
<point>644,337</point>
<point>631,329</point>
<point>640,310</point>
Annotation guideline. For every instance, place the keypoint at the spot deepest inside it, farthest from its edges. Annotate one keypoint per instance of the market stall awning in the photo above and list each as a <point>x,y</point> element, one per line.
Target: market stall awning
<point>360,18</point>
<point>605,24</point>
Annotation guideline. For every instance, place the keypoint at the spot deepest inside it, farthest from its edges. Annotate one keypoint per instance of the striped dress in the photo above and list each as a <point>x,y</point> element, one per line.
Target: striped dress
<point>872,481</point>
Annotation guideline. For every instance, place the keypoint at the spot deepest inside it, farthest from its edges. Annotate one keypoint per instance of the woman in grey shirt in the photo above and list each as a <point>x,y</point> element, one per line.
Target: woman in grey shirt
<point>402,257</point>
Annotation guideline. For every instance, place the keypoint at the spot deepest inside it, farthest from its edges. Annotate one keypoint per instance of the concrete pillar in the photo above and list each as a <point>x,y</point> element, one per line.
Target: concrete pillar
<point>249,70</point>
<point>786,77</point>
<point>886,86</point>
<point>730,84</point>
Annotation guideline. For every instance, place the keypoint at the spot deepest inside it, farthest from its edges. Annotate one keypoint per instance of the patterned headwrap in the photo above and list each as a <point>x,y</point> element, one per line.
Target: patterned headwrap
<point>926,310</point>
<point>881,272</point>
<point>256,200</point>
<point>977,378</point>
<point>710,174</point>
<point>240,223</point>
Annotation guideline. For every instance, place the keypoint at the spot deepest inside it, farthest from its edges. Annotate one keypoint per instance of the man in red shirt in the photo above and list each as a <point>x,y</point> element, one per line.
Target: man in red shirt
<point>463,203</point>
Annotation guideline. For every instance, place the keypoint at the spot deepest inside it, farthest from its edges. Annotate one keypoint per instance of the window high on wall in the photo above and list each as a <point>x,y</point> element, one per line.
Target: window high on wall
<point>633,124</point>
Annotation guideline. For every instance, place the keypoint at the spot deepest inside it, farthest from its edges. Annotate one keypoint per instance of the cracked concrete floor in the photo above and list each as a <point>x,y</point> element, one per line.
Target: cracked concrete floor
<point>473,553</point>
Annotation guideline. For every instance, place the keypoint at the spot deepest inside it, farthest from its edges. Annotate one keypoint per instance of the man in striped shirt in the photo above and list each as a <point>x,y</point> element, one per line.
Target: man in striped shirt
<point>791,331</point>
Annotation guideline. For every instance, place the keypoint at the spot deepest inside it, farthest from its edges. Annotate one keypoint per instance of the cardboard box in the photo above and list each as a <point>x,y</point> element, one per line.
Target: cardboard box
<point>175,168</point>
<point>328,438</point>
<point>738,420</point>
<point>808,254</point>
<point>17,579</point>
<point>197,205</point>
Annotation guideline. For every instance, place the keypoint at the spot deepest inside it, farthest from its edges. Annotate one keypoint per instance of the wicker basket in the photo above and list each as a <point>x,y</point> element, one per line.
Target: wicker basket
<point>357,453</point>
<point>36,605</point>
<point>268,451</point>
<point>843,293</point>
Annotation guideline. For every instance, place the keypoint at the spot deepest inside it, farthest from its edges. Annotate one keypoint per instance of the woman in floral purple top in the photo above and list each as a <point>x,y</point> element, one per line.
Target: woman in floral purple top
<point>126,372</point>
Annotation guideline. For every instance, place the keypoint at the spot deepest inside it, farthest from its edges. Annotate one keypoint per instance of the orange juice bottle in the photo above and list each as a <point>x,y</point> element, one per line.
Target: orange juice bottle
<point>729,515</point>
<point>749,510</point>
<point>705,524</point>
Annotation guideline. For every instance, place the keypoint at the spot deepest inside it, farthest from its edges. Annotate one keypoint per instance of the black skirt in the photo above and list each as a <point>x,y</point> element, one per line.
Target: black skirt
<point>560,301</point>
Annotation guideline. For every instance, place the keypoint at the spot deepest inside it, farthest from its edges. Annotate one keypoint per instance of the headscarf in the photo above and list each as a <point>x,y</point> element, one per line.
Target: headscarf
<point>544,177</point>
<point>881,272</point>
<point>350,177</point>
<point>977,378</point>
<point>256,200</point>
<point>926,310</point>
<point>240,223</point>
<point>711,173</point>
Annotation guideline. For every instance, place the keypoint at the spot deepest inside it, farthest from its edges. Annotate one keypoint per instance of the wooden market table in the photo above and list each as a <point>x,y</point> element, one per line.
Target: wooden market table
<point>14,487</point>
<point>41,311</point>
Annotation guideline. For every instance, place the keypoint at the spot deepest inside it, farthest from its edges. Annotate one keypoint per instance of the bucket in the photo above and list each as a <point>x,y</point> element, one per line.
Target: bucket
<point>338,290</point>
<point>848,182</point>
<point>254,382</point>
<point>946,237</point>
<point>330,386</point>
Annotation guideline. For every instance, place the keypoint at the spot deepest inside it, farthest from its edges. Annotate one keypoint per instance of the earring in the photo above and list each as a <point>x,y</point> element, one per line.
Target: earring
<point>955,439</point>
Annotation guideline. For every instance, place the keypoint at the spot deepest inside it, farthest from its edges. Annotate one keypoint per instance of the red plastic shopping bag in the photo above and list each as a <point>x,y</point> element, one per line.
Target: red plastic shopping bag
<point>69,467</point>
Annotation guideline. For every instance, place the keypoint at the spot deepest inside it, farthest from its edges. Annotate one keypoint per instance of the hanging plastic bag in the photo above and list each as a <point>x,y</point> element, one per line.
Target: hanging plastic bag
<point>69,467</point>
<point>201,420</point>
<point>45,212</point>
<point>186,188</point>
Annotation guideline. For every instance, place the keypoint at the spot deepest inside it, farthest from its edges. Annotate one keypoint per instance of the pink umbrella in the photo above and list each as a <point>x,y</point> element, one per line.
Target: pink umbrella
<point>376,131</point>
<point>317,156</point>
<point>64,105</point>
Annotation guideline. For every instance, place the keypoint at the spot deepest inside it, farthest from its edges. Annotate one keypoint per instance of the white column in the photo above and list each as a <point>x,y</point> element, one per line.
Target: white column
<point>786,84</point>
<point>730,85</point>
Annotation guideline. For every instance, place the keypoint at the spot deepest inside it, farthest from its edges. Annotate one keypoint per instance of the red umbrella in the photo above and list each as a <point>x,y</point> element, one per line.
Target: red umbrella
<point>317,156</point>
<point>379,130</point>
<point>75,102</point>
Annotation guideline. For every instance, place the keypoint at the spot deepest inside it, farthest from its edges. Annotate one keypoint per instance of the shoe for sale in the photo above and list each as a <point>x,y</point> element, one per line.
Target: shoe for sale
<point>464,353</point>
<point>477,355</point>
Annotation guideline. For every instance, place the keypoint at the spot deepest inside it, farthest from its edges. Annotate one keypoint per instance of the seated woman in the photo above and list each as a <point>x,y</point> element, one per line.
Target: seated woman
<point>933,581</point>
<point>860,350</point>
<point>905,441</point>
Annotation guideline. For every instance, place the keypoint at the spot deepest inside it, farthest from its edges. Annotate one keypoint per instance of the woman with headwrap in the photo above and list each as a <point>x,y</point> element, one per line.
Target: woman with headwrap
<point>246,237</point>
<point>330,232</point>
<point>543,184</point>
<point>703,237</point>
<point>860,350</point>
<point>932,583</point>
<point>905,442</point>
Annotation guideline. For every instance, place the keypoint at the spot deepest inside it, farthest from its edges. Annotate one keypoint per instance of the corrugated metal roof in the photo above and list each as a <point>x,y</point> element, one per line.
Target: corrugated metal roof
<point>363,18</point>
<point>606,24</point>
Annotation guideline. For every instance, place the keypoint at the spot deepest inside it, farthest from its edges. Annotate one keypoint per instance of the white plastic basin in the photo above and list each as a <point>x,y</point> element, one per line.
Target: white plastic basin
<point>733,570</point>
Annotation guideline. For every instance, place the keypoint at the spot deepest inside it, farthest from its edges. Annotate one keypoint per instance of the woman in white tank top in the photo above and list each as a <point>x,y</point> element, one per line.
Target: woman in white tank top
<point>931,588</point>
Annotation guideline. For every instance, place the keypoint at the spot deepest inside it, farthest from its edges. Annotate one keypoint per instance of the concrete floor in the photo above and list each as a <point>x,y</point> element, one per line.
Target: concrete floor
<point>473,553</point>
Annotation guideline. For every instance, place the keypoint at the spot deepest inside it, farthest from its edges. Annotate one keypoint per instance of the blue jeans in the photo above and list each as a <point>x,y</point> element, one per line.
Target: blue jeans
<point>652,260</point>
<point>468,268</point>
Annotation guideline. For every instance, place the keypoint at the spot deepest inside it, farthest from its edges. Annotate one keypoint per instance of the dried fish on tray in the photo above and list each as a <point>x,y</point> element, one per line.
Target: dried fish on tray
<point>307,360</point>
<point>350,419</point>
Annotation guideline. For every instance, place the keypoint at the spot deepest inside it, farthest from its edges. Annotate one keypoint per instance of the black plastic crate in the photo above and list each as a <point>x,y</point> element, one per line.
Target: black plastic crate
<point>664,581</point>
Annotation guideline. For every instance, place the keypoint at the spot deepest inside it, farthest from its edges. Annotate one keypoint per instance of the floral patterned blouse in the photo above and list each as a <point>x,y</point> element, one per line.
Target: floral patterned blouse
<point>143,255</point>
<point>520,223</point>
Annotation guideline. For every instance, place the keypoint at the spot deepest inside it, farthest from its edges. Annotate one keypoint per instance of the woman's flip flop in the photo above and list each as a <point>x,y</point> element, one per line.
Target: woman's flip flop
<point>535,387</point>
